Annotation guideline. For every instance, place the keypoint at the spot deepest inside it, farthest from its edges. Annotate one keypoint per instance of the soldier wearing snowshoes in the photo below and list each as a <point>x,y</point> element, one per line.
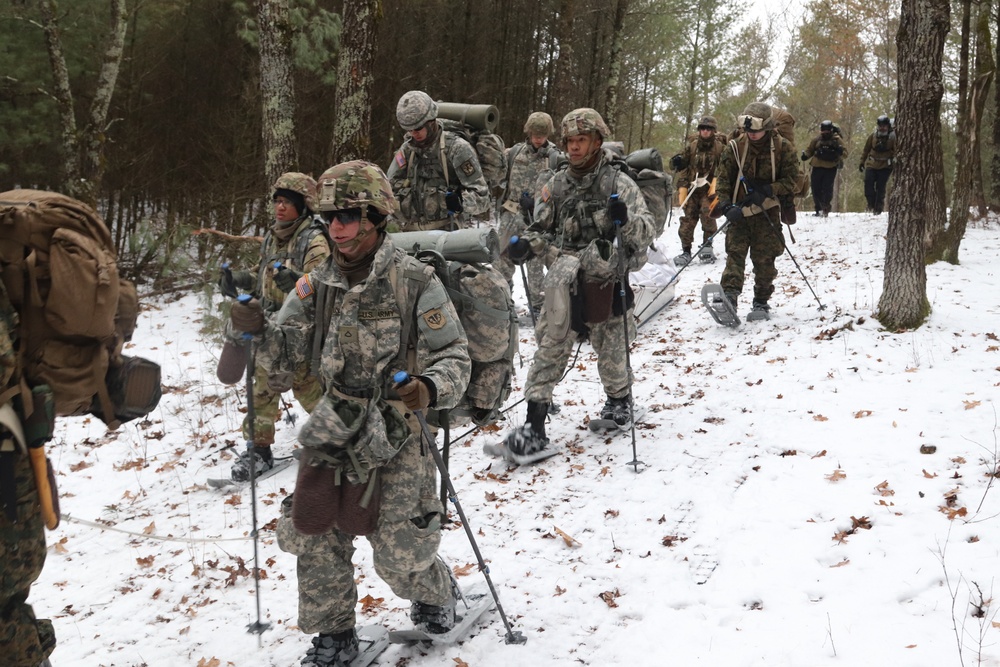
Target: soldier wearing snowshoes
<point>696,182</point>
<point>435,174</point>
<point>876,163</point>
<point>368,312</point>
<point>754,171</point>
<point>526,163</point>
<point>297,241</point>
<point>579,213</point>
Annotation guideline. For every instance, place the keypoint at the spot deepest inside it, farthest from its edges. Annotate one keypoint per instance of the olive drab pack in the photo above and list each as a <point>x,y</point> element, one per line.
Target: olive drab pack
<point>483,301</point>
<point>61,274</point>
<point>646,165</point>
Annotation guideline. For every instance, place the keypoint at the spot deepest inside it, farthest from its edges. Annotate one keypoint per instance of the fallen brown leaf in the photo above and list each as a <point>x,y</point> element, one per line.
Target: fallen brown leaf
<point>569,540</point>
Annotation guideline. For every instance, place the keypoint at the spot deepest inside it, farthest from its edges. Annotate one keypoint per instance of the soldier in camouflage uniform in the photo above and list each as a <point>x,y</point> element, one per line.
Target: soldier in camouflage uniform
<point>876,163</point>
<point>25,641</point>
<point>297,240</point>
<point>526,162</point>
<point>575,231</point>
<point>370,296</point>
<point>694,183</point>
<point>766,161</point>
<point>435,174</point>
<point>826,153</point>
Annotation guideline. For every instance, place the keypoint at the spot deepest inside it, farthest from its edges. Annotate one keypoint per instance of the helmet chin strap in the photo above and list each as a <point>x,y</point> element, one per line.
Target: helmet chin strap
<point>363,233</point>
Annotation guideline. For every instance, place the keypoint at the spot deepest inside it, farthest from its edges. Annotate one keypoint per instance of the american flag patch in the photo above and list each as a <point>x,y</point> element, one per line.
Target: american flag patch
<point>546,193</point>
<point>303,287</point>
<point>400,159</point>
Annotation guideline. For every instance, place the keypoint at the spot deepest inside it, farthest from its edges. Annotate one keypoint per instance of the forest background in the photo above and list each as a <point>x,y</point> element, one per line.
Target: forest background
<point>171,115</point>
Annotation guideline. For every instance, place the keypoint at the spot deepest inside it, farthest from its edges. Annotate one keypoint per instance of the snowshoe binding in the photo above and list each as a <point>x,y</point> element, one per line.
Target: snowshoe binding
<point>263,459</point>
<point>706,255</point>
<point>616,416</point>
<point>522,446</point>
<point>720,306</point>
<point>332,650</point>
<point>683,259</point>
<point>760,311</point>
<point>467,608</point>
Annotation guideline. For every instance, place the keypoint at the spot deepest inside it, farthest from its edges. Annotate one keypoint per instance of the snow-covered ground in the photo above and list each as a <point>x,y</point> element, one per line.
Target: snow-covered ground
<point>783,515</point>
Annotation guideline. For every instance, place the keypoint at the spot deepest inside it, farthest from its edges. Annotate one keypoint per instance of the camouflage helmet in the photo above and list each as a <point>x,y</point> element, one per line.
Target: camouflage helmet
<point>298,183</point>
<point>582,121</point>
<point>708,122</point>
<point>356,184</point>
<point>756,117</point>
<point>414,109</point>
<point>539,123</point>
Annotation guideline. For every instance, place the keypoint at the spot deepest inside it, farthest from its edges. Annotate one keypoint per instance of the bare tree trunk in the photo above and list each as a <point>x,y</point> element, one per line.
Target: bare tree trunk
<point>355,80</point>
<point>563,89</point>
<point>922,29</point>
<point>277,89</point>
<point>994,198</point>
<point>83,173</point>
<point>615,66</point>
<point>985,73</point>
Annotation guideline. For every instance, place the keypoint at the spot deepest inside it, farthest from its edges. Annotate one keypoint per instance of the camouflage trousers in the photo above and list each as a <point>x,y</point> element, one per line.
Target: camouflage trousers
<point>267,403</point>
<point>549,362</point>
<point>25,640</point>
<point>765,242</point>
<point>511,224</point>
<point>696,209</point>
<point>404,546</point>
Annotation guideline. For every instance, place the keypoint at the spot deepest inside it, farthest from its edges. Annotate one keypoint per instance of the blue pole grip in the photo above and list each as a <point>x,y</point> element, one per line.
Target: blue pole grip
<point>614,197</point>
<point>401,377</point>
<point>514,239</point>
<point>277,265</point>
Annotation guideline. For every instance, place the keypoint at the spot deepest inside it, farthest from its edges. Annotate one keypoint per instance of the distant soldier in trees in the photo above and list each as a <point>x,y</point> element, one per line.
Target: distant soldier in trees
<point>435,174</point>
<point>526,161</point>
<point>876,163</point>
<point>826,153</point>
<point>696,169</point>
<point>297,239</point>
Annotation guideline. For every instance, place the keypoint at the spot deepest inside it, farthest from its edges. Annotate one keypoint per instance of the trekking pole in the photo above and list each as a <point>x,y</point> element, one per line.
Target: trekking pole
<point>622,282</point>
<point>259,626</point>
<point>400,378</point>
<point>445,451</point>
<point>707,243</point>
<point>777,230</point>
<point>524,279</point>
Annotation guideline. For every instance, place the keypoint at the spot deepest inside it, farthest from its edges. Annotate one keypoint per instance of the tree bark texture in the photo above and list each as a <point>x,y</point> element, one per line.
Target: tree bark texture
<point>922,30</point>
<point>277,89</point>
<point>615,66</point>
<point>63,95</point>
<point>355,80</point>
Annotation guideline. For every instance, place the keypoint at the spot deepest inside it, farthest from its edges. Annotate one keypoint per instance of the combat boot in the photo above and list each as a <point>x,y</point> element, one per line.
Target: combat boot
<point>332,650</point>
<point>530,437</point>
<point>617,409</point>
<point>684,258</point>
<point>263,459</point>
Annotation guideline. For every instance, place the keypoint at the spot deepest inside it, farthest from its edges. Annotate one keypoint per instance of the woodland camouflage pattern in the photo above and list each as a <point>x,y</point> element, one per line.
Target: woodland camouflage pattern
<point>702,157</point>
<point>759,233</point>
<point>571,213</point>
<point>420,182</point>
<point>26,641</point>
<point>528,172</point>
<point>361,351</point>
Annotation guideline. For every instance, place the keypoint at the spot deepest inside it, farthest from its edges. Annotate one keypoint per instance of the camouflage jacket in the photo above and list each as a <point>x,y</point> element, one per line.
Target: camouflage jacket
<point>421,177</point>
<point>525,164</point>
<point>701,158</point>
<point>307,248</point>
<point>826,153</point>
<point>570,213</point>
<point>366,327</point>
<point>879,151</point>
<point>772,161</point>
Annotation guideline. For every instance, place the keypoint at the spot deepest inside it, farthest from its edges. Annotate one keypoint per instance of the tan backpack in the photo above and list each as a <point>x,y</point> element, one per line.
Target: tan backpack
<point>60,272</point>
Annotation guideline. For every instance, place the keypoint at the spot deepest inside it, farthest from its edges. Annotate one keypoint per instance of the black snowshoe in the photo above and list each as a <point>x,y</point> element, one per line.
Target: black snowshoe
<point>263,459</point>
<point>683,259</point>
<point>760,311</point>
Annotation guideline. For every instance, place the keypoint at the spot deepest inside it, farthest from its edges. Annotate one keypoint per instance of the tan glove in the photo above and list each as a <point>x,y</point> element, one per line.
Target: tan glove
<point>415,394</point>
<point>682,194</point>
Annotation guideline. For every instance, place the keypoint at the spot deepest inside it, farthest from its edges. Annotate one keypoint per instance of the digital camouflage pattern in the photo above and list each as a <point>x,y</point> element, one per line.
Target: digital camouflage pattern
<point>414,109</point>
<point>582,121</point>
<point>25,640</point>
<point>422,176</point>
<point>759,233</point>
<point>529,169</point>
<point>356,184</point>
<point>360,353</point>
<point>298,182</point>
<point>570,214</point>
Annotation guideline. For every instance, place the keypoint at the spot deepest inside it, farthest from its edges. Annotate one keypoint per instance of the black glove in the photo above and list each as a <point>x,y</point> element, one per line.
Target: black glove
<point>677,162</point>
<point>243,280</point>
<point>733,214</point>
<point>519,251</point>
<point>861,168</point>
<point>453,201</point>
<point>527,203</point>
<point>617,211</point>
<point>285,278</point>
<point>759,193</point>
<point>803,157</point>
<point>247,317</point>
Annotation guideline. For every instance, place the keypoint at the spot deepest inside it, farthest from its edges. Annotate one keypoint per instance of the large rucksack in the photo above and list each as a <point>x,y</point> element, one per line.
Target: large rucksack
<point>646,167</point>
<point>482,298</point>
<point>60,273</point>
<point>489,148</point>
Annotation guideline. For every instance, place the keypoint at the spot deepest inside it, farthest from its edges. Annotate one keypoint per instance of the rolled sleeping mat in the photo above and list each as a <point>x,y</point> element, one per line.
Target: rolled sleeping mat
<point>480,116</point>
<point>480,244</point>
